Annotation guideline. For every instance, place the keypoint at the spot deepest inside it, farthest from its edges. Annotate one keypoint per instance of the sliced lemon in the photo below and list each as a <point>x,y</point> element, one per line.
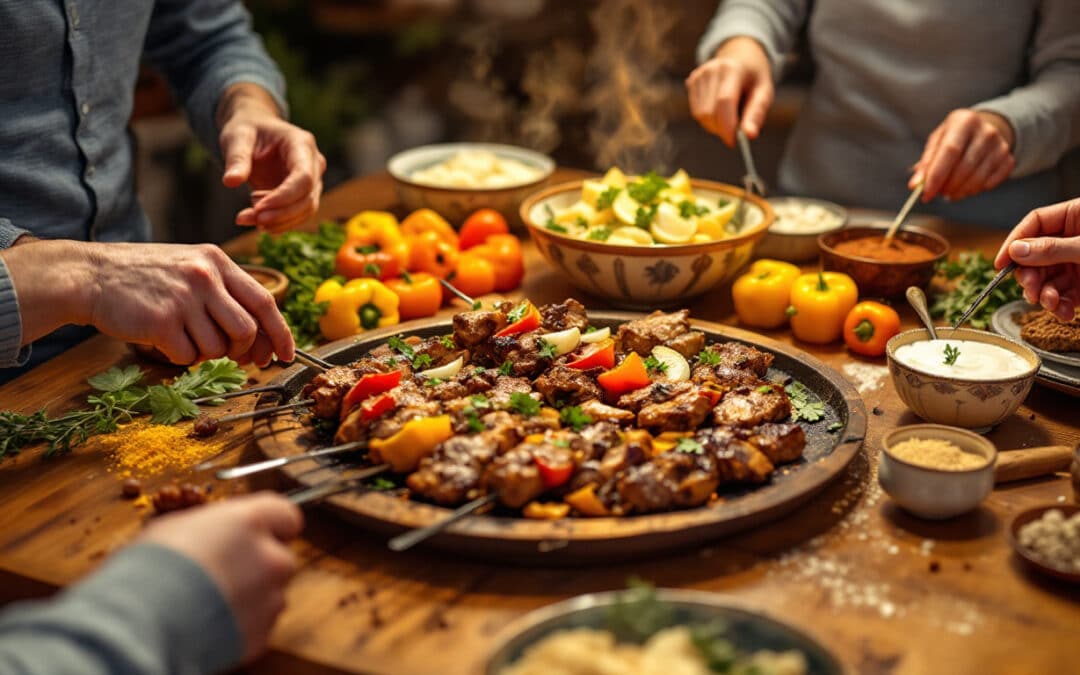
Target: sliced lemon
<point>614,177</point>
<point>625,208</point>
<point>702,238</point>
<point>572,214</point>
<point>630,236</point>
<point>671,228</point>
<point>713,222</point>
<point>680,182</point>
<point>676,368</point>
<point>591,191</point>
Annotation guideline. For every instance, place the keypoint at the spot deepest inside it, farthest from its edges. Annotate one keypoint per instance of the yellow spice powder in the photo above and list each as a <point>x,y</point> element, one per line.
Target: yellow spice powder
<point>141,449</point>
<point>935,453</point>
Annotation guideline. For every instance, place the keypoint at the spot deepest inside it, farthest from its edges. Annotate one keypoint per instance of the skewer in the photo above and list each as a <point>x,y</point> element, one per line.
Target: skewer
<point>404,542</point>
<point>1005,271</point>
<point>453,289</point>
<point>263,412</point>
<point>331,488</point>
<point>312,360</point>
<point>248,469</point>
<point>238,392</point>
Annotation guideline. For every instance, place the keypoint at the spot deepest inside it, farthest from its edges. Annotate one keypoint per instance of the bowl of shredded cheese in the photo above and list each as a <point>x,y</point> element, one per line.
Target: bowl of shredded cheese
<point>935,471</point>
<point>1047,538</point>
<point>456,179</point>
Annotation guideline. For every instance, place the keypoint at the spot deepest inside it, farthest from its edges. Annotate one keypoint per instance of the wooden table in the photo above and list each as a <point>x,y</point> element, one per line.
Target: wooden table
<point>889,593</point>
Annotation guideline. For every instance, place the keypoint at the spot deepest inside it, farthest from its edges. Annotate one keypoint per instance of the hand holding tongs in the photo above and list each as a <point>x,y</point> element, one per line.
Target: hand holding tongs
<point>753,183</point>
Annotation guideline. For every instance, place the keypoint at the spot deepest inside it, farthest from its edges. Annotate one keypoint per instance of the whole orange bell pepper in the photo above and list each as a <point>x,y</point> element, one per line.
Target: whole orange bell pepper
<point>419,293</point>
<point>503,251</point>
<point>431,254</point>
<point>374,247</point>
<point>425,220</point>
<point>474,276</point>
<point>819,304</point>
<point>869,326</point>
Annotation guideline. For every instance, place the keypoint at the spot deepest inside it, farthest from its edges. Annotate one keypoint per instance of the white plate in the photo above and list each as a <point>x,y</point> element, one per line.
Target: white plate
<point>1004,322</point>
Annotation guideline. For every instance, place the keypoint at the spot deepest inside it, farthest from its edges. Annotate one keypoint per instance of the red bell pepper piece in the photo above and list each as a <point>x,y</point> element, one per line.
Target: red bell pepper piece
<point>368,386</point>
<point>627,376</point>
<point>530,320</point>
<point>601,356</point>
<point>553,474</point>
<point>711,394</point>
<point>373,408</point>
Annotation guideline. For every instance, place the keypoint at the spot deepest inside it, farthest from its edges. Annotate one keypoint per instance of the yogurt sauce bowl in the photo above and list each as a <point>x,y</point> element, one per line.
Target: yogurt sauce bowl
<point>989,377</point>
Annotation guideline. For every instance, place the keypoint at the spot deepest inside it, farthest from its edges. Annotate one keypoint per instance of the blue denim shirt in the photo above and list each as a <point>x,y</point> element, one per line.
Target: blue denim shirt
<point>67,80</point>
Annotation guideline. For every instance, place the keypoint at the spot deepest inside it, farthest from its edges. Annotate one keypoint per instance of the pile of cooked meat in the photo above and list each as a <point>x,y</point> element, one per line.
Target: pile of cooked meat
<point>668,445</point>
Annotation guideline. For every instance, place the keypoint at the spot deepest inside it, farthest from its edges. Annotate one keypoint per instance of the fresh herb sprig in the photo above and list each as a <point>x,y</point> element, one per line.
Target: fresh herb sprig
<point>951,354</point>
<point>120,397</point>
<point>804,406</point>
<point>655,366</point>
<point>574,417</point>
<point>523,404</point>
<point>709,357</point>
<point>972,271</point>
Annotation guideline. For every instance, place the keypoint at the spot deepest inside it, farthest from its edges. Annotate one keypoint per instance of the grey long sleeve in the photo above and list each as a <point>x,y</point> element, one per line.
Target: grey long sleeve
<point>12,353</point>
<point>148,611</point>
<point>773,23</point>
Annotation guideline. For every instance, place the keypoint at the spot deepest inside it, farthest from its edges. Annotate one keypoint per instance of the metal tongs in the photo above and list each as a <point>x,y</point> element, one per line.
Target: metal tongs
<point>753,183</point>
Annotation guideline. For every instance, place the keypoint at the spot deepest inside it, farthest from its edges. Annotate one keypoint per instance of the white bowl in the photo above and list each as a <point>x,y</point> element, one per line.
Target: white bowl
<point>797,246</point>
<point>936,494</point>
<point>456,203</point>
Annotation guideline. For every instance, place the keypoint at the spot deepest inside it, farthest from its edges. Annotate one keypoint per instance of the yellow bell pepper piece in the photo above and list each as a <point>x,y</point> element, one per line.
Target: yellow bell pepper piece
<point>819,304</point>
<point>359,305</point>
<point>416,439</point>
<point>369,225</point>
<point>763,294</point>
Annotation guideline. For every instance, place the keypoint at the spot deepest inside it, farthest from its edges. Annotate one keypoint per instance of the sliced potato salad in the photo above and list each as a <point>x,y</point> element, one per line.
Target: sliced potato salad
<point>643,211</point>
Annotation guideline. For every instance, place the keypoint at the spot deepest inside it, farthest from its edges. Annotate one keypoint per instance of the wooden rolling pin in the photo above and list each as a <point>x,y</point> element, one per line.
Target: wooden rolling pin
<point>1027,463</point>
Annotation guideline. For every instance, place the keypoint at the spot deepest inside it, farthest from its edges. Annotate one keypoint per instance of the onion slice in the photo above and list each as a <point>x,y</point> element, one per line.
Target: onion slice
<point>678,370</point>
<point>444,372</point>
<point>565,341</point>
<point>598,335</point>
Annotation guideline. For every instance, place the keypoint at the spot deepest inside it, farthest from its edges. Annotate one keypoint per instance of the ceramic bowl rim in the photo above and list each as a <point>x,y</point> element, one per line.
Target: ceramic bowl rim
<point>827,247</point>
<point>1028,556</point>
<point>845,216</point>
<point>891,346</point>
<point>931,428</point>
<point>655,250</point>
<point>545,163</point>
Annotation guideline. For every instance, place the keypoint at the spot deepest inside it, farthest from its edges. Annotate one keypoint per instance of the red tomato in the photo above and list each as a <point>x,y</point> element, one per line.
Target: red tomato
<point>479,226</point>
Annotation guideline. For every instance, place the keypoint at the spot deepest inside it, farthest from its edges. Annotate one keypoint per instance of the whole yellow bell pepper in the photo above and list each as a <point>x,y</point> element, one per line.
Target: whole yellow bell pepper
<point>763,294</point>
<point>367,224</point>
<point>416,439</point>
<point>359,305</point>
<point>819,304</point>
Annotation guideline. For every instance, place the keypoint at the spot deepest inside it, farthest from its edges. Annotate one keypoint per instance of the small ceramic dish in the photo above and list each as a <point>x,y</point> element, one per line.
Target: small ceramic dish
<point>270,279</point>
<point>456,203</point>
<point>784,242</point>
<point>936,494</point>
<point>971,404</point>
<point>877,278</point>
<point>1028,556</point>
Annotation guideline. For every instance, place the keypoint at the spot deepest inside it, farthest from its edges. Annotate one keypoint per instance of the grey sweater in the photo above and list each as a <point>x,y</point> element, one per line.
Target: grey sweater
<point>888,72</point>
<point>148,611</point>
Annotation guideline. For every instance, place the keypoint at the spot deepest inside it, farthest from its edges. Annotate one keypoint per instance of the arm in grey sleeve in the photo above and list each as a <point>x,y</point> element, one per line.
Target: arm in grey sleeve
<point>12,353</point>
<point>1045,112</point>
<point>204,47</point>
<point>148,611</point>
<point>773,23</point>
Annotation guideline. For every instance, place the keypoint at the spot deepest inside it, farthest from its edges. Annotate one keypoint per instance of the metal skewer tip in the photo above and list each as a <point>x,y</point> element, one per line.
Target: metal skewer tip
<point>266,465</point>
<point>404,542</point>
<point>475,304</point>
<point>262,412</point>
<point>335,487</point>
<point>1005,271</point>
<point>312,360</point>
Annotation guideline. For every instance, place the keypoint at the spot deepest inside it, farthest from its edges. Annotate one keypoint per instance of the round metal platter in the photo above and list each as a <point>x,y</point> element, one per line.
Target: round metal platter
<point>509,537</point>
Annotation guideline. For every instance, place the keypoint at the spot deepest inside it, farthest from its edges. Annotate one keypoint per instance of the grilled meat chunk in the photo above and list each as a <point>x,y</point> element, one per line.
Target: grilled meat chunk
<point>743,357</point>
<point>439,353</point>
<point>600,412</point>
<point>781,443</point>
<point>516,476</point>
<point>474,330</point>
<point>597,439</point>
<point>563,315</point>
<point>670,480</point>
<point>635,449</point>
<point>657,392</point>
<point>723,378</point>
<point>387,426</point>
<point>751,406</point>
<point>685,412</point>
<point>451,475</point>
<point>673,330</point>
<point>523,353</point>
<point>506,386</point>
<point>736,461</point>
<point>328,388</point>
<point>568,386</point>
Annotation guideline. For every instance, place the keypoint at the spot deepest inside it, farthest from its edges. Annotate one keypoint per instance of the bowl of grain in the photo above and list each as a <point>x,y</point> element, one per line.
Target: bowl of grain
<point>934,471</point>
<point>1047,538</point>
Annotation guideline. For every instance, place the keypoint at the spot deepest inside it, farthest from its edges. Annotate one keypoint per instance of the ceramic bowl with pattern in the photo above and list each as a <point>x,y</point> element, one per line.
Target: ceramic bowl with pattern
<point>645,277</point>
<point>878,278</point>
<point>968,403</point>
<point>456,203</point>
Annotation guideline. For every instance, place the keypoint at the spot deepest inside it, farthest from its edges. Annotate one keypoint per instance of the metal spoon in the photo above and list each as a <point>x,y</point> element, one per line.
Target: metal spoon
<point>917,299</point>
<point>904,211</point>
<point>753,183</point>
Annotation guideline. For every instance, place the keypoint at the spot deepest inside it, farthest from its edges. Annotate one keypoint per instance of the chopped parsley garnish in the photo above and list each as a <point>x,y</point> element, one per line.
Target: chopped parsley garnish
<point>581,222</point>
<point>591,329</point>
<point>523,404</point>
<point>835,426</point>
<point>479,402</point>
<point>472,422</point>
<point>655,366</point>
<point>599,233</point>
<point>951,354</point>
<point>548,350</point>
<point>507,368</point>
<point>434,381</point>
<point>643,217</point>
<point>689,446</point>
<point>518,313</point>
<point>722,202</point>
<point>401,347</point>
<point>765,389</point>
<point>561,443</point>
<point>479,370</point>
<point>646,190</point>
<point>477,305</point>
<point>555,227</point>
<point>688,209</point>
<point>448,341</point>
<point>381,483</point>
<point>802,405</point>
<point>708,357</point>
<point>607,198</point>
<point>421,361</point>
<point>573,417</point>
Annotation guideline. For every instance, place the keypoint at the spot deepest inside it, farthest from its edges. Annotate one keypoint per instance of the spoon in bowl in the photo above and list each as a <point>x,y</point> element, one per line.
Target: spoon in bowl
<point>917,299</point>
<point>904,211</point>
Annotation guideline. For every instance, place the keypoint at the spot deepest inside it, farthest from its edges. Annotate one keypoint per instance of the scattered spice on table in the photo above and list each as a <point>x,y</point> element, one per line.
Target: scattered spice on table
<point>141,449</point>
<point>1055,539</point>
<point>934,453</point>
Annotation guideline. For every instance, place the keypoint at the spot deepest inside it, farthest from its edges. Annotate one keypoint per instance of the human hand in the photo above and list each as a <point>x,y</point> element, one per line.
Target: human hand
<point>191,302</point>
<point>970,152</point>
<point>1046,246</point>
<point>279,161</point>
<point>739,71</point>
<point>240,544</point>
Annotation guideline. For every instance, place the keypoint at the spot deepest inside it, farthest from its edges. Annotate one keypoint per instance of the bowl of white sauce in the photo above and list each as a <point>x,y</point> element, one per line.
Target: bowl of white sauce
<point>966,378</point>
<point>799,220</point>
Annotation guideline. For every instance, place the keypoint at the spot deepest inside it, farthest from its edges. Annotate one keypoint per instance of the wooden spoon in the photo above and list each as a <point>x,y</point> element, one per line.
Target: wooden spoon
<point>904,211</point>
